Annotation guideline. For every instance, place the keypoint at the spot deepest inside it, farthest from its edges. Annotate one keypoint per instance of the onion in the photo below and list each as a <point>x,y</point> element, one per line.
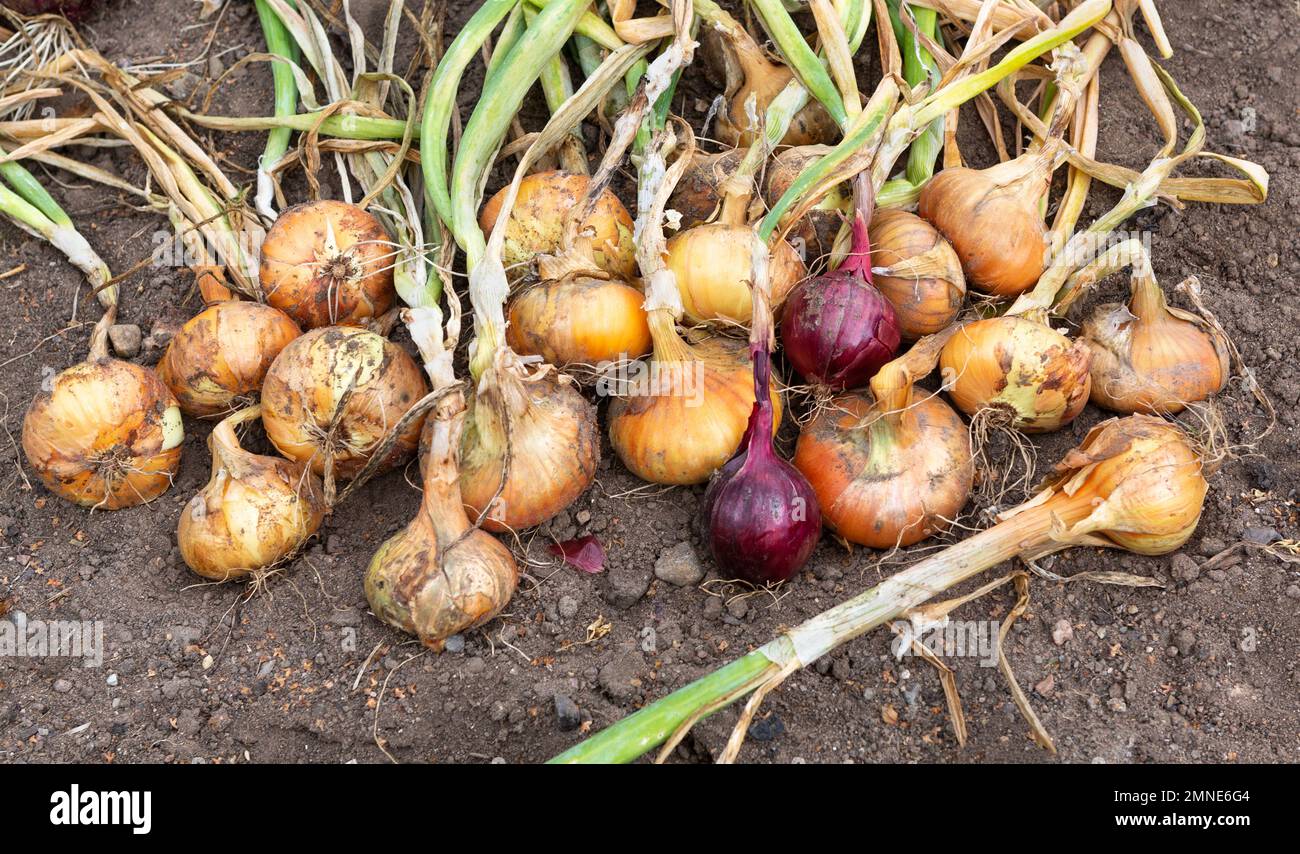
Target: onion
<point>819,227</point>
<point>713,265</point>
<point>331,396</point>
<point>541,432</point>
<point>686,409</point>
<point>254,512</point>
<point>762,516</point>
<point>579,319</point>
<point>698,195</point>
<point>328,263</point>
<point>991,217</point>
<point>890,469</point>
<point>1019,366</point>
<point>1150,357</point>
<point>222,354</point>
<point>440,575</point>
<point>537,220</point>
<point>837,329</point>
<point>105,433</point>
<point>917,271</point>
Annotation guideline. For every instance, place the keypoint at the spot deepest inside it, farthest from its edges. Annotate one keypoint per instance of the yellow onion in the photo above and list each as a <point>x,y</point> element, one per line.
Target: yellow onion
<point>332,395</point>
<point>698,194</point>
<point>328,263</point>
<point>892,468</point>
<point>819,227</point>
<point>579,319</point>
<point>917,271</point>
<point>254,512</point>
<point>540,431</point>
<point>439,575</point>
<point>683,412</point>
<point>749,74</point>
<point>713,265</point>
<point>1034,374</point>
<point>537,220</point>
<point>105,433</point>
<point>1150,357</point>
<point>221,355</point>
<point>991,217</point>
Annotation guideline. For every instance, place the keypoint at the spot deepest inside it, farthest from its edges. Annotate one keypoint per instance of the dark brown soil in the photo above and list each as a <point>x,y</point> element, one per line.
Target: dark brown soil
<point>1203,669</point>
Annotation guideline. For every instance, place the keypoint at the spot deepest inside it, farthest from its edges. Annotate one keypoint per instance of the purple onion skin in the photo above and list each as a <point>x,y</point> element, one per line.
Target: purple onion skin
<point>762,514</point>
<point>838,330</point>
<point>73,10</point>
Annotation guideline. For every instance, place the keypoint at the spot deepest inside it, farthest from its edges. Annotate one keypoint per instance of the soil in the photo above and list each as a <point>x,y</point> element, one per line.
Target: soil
<point>1203,668</point>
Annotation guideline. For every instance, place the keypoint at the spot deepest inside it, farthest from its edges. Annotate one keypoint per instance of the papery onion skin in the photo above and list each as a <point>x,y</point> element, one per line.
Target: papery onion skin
<point>554,449</point>
<point>694,422</point>
<point>1034,373</point>
<point>579,320</point>
<point>995,227</point>
<point>328,263</point>
<point>698,194</point>
<point>713,264</point>
<point>819,227</point>
<point>924,304</point>
<point>881,489</point>
<point>222,354</point>
<point>107,435</point>
<point>537,222</point>
<point>1154,367</point>
<point>373,379</point>
<point>253,513</point>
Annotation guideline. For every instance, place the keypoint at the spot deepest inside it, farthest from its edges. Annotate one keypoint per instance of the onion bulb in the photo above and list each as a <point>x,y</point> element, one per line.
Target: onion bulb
<point>838,329</point>
<point>537,429</point>
<point>991,217</point>
<point>104,433</point>
<point>698,194</point>
<point>1019,366</point>
<point>762,515</point>
<point>917,271</point>
<point>1150,357</point>
<point>221,355</point>
<point>819,227</point>
<point>579,320</point>
<point>440,575</point>
<point>328,263</point>
<point>892,468</point>
<point>332,395</point>
<point>537,221</point>
<point>254,512</point>
<point>686,409</point>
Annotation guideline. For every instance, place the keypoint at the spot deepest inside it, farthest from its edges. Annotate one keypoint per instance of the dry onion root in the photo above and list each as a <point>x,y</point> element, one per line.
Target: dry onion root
<point>328,263</point>
<point>221,355</point>
<point>254,512</point>
<point>106,433</point>
<point>332,395</point>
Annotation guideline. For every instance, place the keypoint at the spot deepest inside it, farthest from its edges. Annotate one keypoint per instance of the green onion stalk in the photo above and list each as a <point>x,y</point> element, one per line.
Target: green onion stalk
<point>278,43</point>
<point>918,67</point>
<point>557,87</point>
<point>30,207</point>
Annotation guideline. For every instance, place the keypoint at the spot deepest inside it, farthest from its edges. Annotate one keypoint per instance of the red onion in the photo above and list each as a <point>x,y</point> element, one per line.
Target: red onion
<point>838,330</point>
<point>762,514</point>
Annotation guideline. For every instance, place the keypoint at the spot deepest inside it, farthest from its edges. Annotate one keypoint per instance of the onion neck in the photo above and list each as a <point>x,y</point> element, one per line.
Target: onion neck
<point>99,335</point>
<point>227,453</point>
<point>858,261</point>
<point>441,502</point>
<point>668,343</point>
<point>1147,300</point>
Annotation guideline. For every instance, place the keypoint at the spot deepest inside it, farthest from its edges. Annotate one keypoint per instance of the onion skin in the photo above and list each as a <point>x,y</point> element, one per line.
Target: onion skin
<point>554,448</point>
<point>106,435</point>
<point>537,221</point>
<point>991,218</point>
<point>579,320</point>
<point>222,354</point>
<point>328,263</point>
<point>373,381</point>
<point>930,289</point>
<point>416,581</point>
<point>681,434</point>
<point>698,194</point>
<point>819,227</point>
<point>254,512</point>
<point>882,487</point>
<point>713,264</point>
<point>1040,377</point>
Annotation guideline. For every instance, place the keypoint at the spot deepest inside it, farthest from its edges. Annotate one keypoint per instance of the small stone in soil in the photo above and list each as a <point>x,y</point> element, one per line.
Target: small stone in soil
<point>567,714</point>
<point>1062,632</point>
<point>1260,536</point>
<point>738,608</point>
<point>1184,641</point>
<point>1293,592</point>
<point>713,608</point>
<point>679,565</point>
<point>568,607</point>
<point>625,584</point>
<point>454,644</point>
<point>766,729</point>
<point>1184,567</point>
<point>62,686</point>
<point>1046,686</point>
<point>125,338</point>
